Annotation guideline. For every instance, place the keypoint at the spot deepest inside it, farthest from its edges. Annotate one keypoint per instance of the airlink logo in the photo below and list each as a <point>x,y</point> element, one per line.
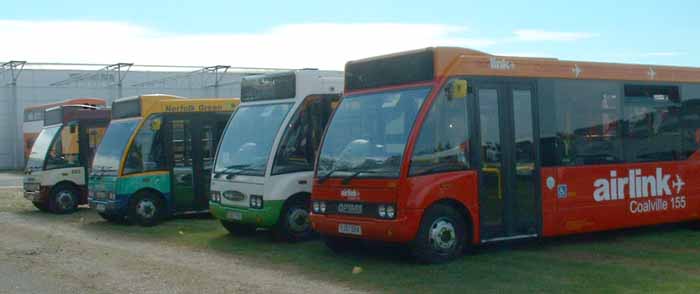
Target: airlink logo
<point>635,185</point>
<point>501,64</point>
<point>350,193</point>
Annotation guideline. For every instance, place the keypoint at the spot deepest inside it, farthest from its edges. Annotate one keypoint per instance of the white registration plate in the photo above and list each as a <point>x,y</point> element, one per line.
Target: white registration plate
<point>350,229</point>
<point>100,207</point>
<point>234,215</point>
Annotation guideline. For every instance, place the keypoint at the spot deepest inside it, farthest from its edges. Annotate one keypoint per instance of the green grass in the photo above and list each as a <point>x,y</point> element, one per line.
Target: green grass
<point>658,259</point>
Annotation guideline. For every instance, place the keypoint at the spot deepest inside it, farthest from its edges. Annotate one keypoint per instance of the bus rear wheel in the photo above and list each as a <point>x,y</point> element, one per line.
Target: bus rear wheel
<point>63,199</point>
<point>238,229</point>
<point>146,209</point>
<point>441,236</point>
<point>294,224</point>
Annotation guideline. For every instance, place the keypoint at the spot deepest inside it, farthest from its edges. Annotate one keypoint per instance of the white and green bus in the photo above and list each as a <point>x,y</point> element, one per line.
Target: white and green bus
<point>264,165</point>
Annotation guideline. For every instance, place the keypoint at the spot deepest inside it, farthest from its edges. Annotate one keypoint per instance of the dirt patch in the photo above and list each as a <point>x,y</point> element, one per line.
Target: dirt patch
<point>87,262</point>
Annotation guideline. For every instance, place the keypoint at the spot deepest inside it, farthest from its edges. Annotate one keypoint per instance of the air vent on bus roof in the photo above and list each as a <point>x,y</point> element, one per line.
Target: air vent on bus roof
<point>391,70</point>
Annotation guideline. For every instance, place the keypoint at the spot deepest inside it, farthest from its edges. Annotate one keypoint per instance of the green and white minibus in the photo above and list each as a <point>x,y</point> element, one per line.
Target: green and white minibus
<point>264,164</point>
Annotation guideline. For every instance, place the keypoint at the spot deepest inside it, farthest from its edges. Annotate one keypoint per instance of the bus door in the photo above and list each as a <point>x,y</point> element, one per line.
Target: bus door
<point>506,124</point>
<point>180,129</point>
<point>89,137</point>
<point>193,142</point>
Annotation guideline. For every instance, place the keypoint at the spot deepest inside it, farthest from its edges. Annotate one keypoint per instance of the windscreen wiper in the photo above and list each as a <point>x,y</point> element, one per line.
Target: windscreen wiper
<point>230,167</point>
<point>325,177</point>
<point>349,178</point>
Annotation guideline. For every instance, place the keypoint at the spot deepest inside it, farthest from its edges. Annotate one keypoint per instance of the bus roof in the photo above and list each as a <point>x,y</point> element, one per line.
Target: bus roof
<point>66,113</point>
<point>82,101</point>
<point>439,62</point>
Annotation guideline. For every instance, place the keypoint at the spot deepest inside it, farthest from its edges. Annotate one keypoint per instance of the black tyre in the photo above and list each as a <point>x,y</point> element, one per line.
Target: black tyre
<point>42,206</point>
<point>441,236</point>
<point>294,224</point>
<point>146,209</point>
<point>238,229</point>
<point>339,244</point>
<point>63,199</point>
<point>113,218</point>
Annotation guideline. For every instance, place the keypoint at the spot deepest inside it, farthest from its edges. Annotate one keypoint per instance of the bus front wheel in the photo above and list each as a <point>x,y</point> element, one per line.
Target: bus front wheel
<point>441,236</point>
<point>294,224</point>
<point>146,209</point>
<point>238,229</point>
<point>63,200</point>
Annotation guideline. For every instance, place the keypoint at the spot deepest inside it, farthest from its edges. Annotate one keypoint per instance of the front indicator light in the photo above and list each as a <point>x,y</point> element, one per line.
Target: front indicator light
<point>381,210</point>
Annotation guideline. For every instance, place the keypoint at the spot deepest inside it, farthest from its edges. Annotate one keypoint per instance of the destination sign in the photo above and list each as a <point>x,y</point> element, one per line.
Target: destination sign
<point>268,87</point>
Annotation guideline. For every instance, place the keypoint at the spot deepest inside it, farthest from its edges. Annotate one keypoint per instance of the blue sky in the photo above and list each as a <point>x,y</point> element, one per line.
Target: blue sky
<point>247,33</point>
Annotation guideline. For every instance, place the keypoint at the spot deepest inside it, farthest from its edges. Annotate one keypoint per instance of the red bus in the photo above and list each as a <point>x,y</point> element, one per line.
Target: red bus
<point>34,118</point>
<point>443,149</point>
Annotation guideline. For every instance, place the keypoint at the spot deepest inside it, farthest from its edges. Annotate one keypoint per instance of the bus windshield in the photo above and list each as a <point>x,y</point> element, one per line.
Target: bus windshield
<point>111,149</point>
<point>41,147</point>
<point>368,133</point>
<point>248,139</point>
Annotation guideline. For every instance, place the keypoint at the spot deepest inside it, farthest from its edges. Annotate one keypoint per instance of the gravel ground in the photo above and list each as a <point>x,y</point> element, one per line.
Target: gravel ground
<point>60,257</point>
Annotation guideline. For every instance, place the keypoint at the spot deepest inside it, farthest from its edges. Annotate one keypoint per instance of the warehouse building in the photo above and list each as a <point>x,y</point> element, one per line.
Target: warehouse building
<point>24,84</point>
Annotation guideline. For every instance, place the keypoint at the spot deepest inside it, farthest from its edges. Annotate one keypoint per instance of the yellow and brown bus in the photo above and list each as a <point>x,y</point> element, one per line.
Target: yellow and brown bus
<point>34,118</point>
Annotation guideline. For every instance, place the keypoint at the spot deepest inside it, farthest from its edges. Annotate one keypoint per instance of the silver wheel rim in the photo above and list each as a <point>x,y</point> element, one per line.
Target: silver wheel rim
<point>298,220</point>
<point>65,200</point>
<point>146,208</point>
<point>443,236</point>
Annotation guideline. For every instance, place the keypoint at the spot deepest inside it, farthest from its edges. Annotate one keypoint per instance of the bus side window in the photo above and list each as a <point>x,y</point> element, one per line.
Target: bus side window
<point>95,135</point>
<point>302,138</point>
<point>443,143</point>
<point>65,149</point>
<point>588,120</point>
<point>146,152</point>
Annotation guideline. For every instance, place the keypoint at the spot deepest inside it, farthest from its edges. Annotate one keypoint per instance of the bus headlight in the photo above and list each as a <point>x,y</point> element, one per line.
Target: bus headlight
<point>319,206</point>
<point>256,201</point>
<point>386,211</point>
<point>215,196</point>
<point>390,211</point>
<point>111,196</point>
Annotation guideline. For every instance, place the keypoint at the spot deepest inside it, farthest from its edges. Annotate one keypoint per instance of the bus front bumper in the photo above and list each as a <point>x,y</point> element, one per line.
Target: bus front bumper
<point>400,230</point>
<point>111,207</point>
<point>38,196</point>
<point>266,217</point>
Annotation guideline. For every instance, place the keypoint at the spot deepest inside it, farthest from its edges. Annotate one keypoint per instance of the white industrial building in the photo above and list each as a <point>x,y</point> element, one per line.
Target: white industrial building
<point>24,84</point>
